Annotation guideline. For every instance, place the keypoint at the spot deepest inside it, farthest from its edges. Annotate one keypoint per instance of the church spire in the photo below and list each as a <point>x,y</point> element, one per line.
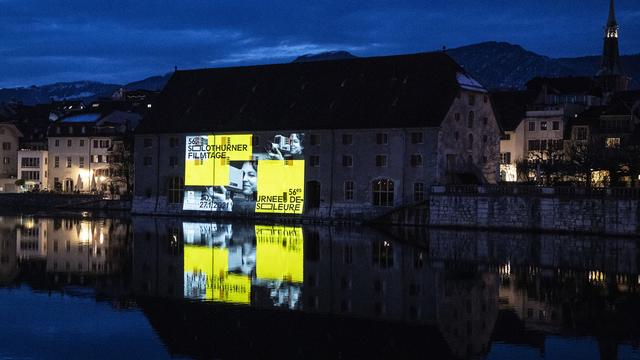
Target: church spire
<point>610,70</point>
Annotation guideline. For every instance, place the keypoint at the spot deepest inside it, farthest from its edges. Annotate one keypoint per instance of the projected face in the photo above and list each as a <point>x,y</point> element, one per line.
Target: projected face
<point>249,178</point>
<point>296,145</point>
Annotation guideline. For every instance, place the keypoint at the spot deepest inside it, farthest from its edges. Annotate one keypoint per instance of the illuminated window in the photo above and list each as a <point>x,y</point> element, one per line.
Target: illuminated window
<point>347,160</point>
<point>470,119</point>
<point>418,191</point>
<point>416,160</point>
<point>383,190</point>
<point>147,161</point>
<point>347,139</point>
<point>348,190</point>
<point>613,142</point>
<point>543,125</point>
<point>382,139</point>
<point>381,160</point>
<point>314,160</point>
<point>417,138</point>
<point>175,192</point>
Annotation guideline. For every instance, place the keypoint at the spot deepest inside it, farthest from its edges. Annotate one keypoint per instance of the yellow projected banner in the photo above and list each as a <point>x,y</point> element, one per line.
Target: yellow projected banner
<point>280,253</point>
<point>280,186</point>
<point>207,267</point>
<point>207,158</point>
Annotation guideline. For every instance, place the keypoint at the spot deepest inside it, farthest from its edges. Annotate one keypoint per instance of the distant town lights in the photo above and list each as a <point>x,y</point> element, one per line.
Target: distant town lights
<point>149,106</point>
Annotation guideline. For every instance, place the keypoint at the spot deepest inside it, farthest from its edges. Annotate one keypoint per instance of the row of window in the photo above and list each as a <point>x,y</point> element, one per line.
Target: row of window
<point>541,145</point>
<point>83,130</point>
<point>31,162</point>
<point>97,144</point>
<point>6,146</point>
<point>472,98</point>
<point>81,160</point>
<point>471,119</point>
<point>31,175</point>
<point>382,191</point>
<point>555,125</point>
<point>314,139</point>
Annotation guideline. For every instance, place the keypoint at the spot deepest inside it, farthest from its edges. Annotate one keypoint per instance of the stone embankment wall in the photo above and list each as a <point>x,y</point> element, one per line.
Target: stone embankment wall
<point>611,211</point>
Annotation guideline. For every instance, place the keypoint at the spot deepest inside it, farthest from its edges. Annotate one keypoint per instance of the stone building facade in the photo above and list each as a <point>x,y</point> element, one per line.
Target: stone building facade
<point>377,131</point>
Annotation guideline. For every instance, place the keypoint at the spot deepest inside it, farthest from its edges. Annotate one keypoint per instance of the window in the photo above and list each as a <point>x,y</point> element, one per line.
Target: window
<point>556,125</point>
<point>456,116</point>
<point>175,193</point>
<point>173,142</point>
<point>543,125</point>
<point>382,192</point>
<point>506,136</point>
<point>314,160</point>
<point>81,162</point>
<point>581,133</point>
<point>56,161</point>
<point>416,160</point>
<point>382,139</point>
<point>613,142</point>
<point>6,160</point>
<point>173,161</point>
<point>30,175</point>
<point>147,142</point>
<point>314,139</point>
<point>104,144</point>
<point>532,126</point>
<point>68,161</point>
<point>56,143</point>
<point>381,160</point>
<point>485,121</point>
<point>470,142</point>
<point>418,192</point>
<point>146,161</point>
<point>69,142</point>
<point>81,143</point>
<point>456,135</point>
<point>6,146</point>
<point>416,138</point>
<point>485,99</point>
<point>470,119</point>
<point>347,139</point>
<point>472,99</point>
<point>534,145</point>
<point>70,129</point>
<point>99,158</point>
<point>348,190</point>
<point>505,158</point>
<point>95,144</point>
<point>347,160</point>
<point>30,162</point>
<point>83,129</point>
<point>484,139</point>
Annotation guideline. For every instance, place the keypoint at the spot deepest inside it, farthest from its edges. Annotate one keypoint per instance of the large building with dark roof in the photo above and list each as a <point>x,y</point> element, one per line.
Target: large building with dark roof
<point>378,132</point>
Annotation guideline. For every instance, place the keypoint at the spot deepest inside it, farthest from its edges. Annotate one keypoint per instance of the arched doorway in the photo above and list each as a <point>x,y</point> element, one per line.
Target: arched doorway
<point>67,186</point>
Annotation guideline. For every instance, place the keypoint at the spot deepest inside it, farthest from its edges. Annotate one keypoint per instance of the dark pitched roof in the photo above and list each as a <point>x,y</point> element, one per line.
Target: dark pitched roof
<point>568,85</point>
<point>379,92</point>
<point>510,107</point>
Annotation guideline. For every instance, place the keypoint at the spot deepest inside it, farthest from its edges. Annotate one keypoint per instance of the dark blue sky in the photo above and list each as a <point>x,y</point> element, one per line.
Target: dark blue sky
<point>45,41</point>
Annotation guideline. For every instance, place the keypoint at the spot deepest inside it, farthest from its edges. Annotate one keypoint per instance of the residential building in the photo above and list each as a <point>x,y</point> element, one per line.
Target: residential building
<point>374,133</point>
<point>33,168</point>
<point>82,156</point>
<point>9,138</point>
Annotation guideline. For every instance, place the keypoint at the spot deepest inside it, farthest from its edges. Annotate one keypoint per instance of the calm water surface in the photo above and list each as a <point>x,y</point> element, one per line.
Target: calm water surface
<point>83,287</point>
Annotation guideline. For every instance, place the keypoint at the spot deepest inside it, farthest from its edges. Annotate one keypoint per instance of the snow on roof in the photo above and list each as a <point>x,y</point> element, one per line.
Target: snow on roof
<point>469,83</point>
<point>81,118</point>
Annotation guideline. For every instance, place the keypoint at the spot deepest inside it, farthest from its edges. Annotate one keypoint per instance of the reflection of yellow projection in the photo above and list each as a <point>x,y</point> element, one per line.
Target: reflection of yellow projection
<point>280,186</point>
<point>208,164</point>
<point>280,253</point>
<point>210,265</point>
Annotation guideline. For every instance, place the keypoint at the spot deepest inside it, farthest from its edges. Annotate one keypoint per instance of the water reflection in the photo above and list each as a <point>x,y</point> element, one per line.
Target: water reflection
<point>338,291</point>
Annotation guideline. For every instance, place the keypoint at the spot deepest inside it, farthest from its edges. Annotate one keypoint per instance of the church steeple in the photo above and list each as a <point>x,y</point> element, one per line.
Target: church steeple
<point>610,73</point>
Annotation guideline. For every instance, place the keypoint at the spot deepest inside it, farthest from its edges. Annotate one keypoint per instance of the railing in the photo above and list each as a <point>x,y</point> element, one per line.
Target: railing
<point>515,189</point>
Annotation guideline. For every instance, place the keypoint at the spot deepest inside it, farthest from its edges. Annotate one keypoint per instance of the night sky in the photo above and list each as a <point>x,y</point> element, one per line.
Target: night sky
<point>46,41</point>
